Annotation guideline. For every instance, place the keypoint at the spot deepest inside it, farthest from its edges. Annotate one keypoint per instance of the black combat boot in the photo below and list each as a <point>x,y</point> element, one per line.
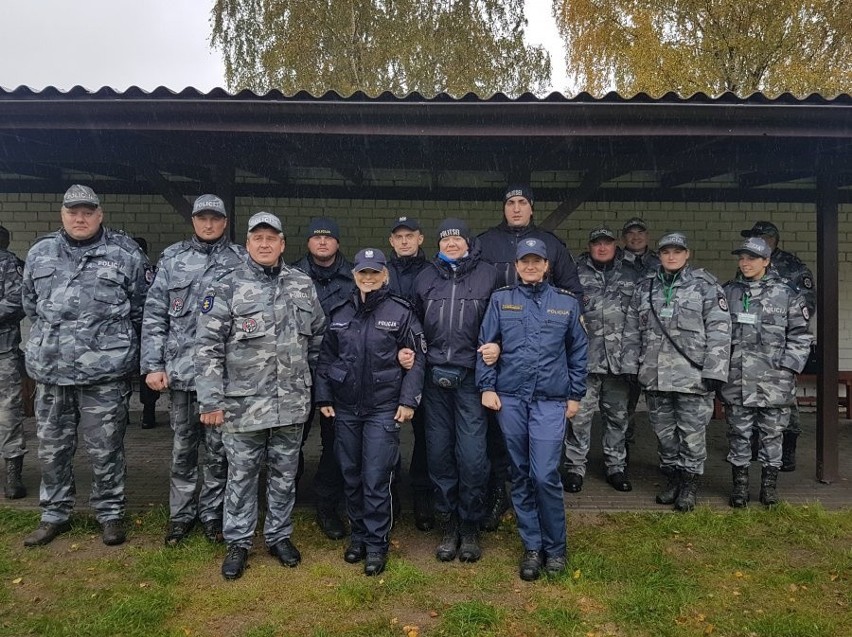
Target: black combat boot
<point>788,451</point>
<point>498,504</point>
<point>424,519</point>
<point>14,485</point>
<point>330,523</point>
<point>768,484</point>
<point>670,492</point>
<point>739,494</point>
<point>688,492</point>
<point>469,549</point>
<point>449,546</point>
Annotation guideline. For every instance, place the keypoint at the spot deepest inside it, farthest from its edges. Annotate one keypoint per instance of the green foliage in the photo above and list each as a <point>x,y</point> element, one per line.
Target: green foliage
<point>800,46</point>
<point>430,46</point>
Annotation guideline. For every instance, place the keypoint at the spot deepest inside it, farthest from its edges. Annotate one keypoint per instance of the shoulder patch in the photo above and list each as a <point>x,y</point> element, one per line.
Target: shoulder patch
<point>806,313</point>
<point>150,273</point>
<point>808,282</point>
<point>207,303</point>
<point>723,304</point>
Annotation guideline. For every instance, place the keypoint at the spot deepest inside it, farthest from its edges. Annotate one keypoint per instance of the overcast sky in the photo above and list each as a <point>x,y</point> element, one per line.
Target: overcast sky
<point>145,43</point>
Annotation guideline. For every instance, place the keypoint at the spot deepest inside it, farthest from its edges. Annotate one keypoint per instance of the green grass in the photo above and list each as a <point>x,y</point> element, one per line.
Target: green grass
<point>783,572</point>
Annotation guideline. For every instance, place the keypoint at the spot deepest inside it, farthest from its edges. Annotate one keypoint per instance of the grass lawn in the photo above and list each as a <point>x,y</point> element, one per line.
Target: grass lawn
<point>785,572</point>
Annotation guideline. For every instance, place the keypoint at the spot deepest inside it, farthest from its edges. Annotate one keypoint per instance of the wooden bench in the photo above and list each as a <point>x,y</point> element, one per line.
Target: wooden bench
<point>844,378</point>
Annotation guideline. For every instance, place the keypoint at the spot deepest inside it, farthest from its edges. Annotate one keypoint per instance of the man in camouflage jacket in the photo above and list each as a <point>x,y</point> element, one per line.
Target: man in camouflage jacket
<point>83,289</point>
<point>770,344</point>
<point>184,272</point>
<point>608,285</point>
<point>677,342</point>
<point>259,331</point>
<point>12,444</point>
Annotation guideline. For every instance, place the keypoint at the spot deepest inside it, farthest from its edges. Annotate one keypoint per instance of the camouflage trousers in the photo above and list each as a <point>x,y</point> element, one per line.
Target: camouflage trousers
<point>794,425</point>
<point>99,414</point>
<point>609,394</point>
<point>246,452</point>
<point>769,422</point>
<point>189,434</point>
<point>12,442</point>
<point>680,423</point>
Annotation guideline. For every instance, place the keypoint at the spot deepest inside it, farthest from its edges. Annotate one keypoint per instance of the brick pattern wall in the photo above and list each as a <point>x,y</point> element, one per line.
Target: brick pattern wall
<point>713,229</point>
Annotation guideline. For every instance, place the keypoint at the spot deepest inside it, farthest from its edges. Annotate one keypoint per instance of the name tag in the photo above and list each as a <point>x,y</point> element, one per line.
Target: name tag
<point>746,319</point>
<point>667,312</point>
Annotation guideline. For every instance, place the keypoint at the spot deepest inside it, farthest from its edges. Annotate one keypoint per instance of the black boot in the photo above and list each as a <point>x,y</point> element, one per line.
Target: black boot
<point>768,486</point>
<point>498,504</point>
<point>670,492</point>
<point>739,494</point>
<point>424,519</point>
<point>330,523</point>
<point>469,549</point>
<point>788,451</point>
<point>688,492</point>
<point>14,485</point>
<point>449,546</point>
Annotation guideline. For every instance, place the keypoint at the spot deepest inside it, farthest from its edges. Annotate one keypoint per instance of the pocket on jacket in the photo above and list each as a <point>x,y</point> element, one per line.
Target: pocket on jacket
<point>108,287</point>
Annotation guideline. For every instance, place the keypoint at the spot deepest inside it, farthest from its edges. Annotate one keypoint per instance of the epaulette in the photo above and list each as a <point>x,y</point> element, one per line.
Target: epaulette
<point>505,287</point>
<point>701,273</point>
<point>49,235</point>
<point>401,300</point>
<point>565,292</point>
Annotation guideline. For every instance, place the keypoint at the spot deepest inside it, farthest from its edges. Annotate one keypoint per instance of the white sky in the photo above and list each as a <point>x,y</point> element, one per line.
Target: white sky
<point>146,43</point>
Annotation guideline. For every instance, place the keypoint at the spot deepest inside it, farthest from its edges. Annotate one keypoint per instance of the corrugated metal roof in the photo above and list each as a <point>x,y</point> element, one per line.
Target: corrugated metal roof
<point>191,93</point>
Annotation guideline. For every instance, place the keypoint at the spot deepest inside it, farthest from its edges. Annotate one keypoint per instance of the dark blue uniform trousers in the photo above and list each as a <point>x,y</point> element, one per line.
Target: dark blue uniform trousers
<point>367,450</point>
<point>456,448</point>
<point>534,431</point>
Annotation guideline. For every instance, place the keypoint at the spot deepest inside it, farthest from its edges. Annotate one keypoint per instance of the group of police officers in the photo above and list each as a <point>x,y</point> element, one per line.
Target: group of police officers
<point>235,334</point>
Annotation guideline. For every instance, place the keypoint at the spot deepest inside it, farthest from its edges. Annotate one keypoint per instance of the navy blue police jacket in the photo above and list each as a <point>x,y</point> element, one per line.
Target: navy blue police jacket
<point>450,303</point>
<point>334,284</point>
<point>358,368</point>
<point>544,345</point>
<point>500,247</point>
<point>402,271</point>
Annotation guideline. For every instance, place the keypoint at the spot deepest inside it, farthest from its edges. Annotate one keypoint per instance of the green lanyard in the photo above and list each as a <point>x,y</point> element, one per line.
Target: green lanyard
<point>668,292</point>
<point>746,301</point>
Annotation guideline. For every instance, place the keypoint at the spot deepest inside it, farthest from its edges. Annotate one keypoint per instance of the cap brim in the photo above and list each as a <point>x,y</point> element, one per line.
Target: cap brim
<point>744,251</point>
<point>375,267</point>
<point>218,212</point>
<point>74,204</point>
<point>265,225</point>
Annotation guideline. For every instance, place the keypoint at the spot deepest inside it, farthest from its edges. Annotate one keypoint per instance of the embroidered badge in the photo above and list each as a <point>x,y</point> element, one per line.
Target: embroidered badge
<point>806,313</point>
<point>177,305</point>
<point>207,303</point>
<point>808,282</point>
<point>149,275</point>
<point>723,304</point>
<point>514,308</point>
<point>249,325</point>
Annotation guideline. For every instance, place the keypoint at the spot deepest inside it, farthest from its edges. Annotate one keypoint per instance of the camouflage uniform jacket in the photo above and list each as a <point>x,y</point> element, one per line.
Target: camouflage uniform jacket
<point>790,267</point>
<point>85,303</point>
<point>11,310</point>
<point>641,263</point>
<point>259,332</point>
<point>335,284</point>
<point>607,295</point>
<point>699,323</point>
<point>770,342</point>
<point>185,271</point>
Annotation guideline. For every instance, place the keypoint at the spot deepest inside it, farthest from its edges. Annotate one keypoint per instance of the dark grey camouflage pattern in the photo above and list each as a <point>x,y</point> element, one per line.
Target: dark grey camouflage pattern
<point>608,394</point>
<point>258,336</point>
<point>184,273</point>
<point>606,298</point>
<point>769,422</point>
<point>770,344</point>
<point>699,323</point>
<point>246,452</point>
<point>12,442</point>
<point>680,421</point>
<point>85,304</point>
<point>790,267</point>
<point>97,414</point>
<point>642,264</point>
<point>186,500</point>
